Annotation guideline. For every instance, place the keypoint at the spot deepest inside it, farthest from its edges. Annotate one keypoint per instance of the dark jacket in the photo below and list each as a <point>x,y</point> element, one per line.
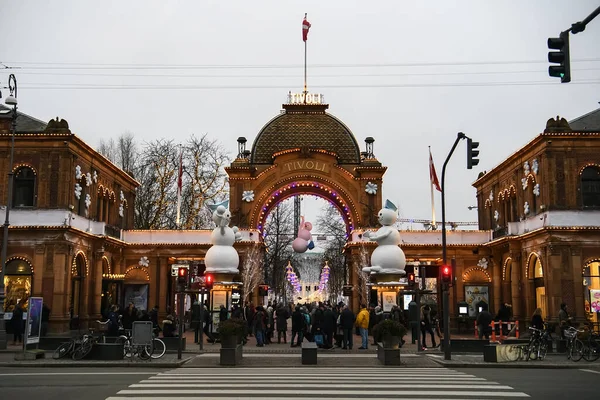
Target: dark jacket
<point>347,319</point>
<point>129,317</point>
<point>223,314</point>
<point>329,321</point>
<point>282,316</point>
<point>17,320</point>
<point>537,322</point>
<point>298,321</point>
<point>484,318</point>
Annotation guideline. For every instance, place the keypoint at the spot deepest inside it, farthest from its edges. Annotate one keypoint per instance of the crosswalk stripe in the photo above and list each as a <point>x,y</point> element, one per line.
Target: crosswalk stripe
<point>321,392</point>
<point>273,385</point>
<point>309,383</point>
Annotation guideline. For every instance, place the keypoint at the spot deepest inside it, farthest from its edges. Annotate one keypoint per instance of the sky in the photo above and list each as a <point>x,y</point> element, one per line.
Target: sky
<point>411,74</point>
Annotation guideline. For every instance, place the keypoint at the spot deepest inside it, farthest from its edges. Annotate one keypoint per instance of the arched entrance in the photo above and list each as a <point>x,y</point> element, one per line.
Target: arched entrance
<point>79,268</point>
<point>17,282</point>
<point>306,151</point>
<point>535,274</point>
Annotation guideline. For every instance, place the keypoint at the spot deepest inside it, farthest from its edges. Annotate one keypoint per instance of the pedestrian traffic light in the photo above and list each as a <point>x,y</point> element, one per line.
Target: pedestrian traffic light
<point>182,278</point>
<point>411,280</point>
<point>472,153</point>
<point>209,280</point>
<point>561,57</point>
<point>447,274</point>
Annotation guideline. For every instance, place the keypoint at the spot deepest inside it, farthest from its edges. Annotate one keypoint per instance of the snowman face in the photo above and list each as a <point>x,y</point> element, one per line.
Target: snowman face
<point>226,217</point>
<point>386,217</point>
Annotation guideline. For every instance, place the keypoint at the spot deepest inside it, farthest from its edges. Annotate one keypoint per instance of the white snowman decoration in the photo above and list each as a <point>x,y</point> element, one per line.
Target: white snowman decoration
<point>387,258</point>
<point>222,256</point>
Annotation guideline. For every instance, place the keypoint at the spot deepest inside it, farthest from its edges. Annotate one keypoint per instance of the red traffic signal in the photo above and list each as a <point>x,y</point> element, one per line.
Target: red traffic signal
<point>446,274</point>
<point>411,280</point>
<point>182,277</point>
<point>209,280</point>
<point>182,272</point>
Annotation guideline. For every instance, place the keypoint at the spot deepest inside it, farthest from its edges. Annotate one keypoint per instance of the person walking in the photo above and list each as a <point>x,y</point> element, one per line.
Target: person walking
<point>426,326</point>
<point>298,325</point>
<point>270,325</point>
<point>282,317</point>
<point>17,323</point>
<point>259,325</point>
<point>362,321</point>
<point>328,327</point>
<point>347,319</point>
<point>484,319</point>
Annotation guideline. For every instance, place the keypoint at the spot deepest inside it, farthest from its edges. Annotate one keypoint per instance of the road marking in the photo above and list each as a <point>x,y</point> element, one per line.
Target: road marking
<point>80,373</point>
<point>225,378</point>
<point>590,370</point>
<point>273,385</point>
<point>320,392</point>
<point>254,398</point>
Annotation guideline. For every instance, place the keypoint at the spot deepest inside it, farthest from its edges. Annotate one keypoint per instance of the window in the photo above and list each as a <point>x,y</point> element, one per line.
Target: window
<point>24,181</point>
<point>590,187</point>
<point>591,291</point>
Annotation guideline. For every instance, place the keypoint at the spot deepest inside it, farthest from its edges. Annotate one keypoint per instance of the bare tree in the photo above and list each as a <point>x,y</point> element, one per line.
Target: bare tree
<point>278,237</point>
<point>331,224</point>
<point>252,272</point>
<point>205,180</point>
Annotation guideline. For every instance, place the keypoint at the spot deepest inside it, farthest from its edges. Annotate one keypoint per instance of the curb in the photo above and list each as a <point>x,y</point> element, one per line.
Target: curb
<point>532,365</point>
<point>84,364</point>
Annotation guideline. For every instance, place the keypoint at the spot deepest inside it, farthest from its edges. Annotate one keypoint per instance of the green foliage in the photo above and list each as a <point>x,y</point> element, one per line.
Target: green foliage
<point>232,327</point>
<point>388,327</point>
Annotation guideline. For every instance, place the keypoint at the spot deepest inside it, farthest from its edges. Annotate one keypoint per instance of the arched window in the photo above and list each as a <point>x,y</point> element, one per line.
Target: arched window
<point>590,187</point>
<point>24,183</point>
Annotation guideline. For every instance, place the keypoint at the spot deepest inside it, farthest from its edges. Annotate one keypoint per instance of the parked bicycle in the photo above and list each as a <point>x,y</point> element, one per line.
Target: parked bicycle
<point>574,345</point>
<point>591,349</point>
<point>539,342</point>
<point>156,349</point>
<point>80,346</point>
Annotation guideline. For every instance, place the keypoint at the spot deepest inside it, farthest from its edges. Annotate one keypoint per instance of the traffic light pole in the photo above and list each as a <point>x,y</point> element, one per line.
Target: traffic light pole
<point>181,308</point>
<point>446,288</point>
<point>580,26</point>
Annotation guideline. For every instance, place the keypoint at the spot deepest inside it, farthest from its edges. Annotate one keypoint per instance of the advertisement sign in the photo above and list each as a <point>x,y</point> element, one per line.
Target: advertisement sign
<point>219,297</point>
<point>389,301</point>
<point>474,295</point>
<point>595,300</point>
<point>33,325</point>
<point>138,295</point>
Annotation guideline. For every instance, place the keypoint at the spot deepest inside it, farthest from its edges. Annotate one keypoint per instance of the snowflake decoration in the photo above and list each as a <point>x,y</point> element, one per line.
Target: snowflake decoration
<point>496,215</point>
<point>95,176</point>
<point>248,195</point>
<point>524,183</point>
<point>483,263</point>
<point>526,167</point>
<point>88,179</point>
<point>144,262</point>
<point>371,188</point>
<point>78,173</point>
<point>88,200</point>
<point>536,189</point>
<point>535,166</point>
<point>78,190</point>
<point>526,208</point>
<point>122,196</point>
<point>121,210</point>
<point>491,195</point>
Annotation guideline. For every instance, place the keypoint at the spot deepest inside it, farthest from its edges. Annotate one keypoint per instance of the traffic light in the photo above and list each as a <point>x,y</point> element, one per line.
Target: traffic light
<point>182,278</point>
<point>411,280</point>
<point>561,57</point>
<point>447,274</point>
<point>209,280</point>
<point>472,153</point>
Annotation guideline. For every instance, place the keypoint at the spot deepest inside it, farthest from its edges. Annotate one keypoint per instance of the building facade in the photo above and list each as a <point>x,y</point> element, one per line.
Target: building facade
<point>71,237</point>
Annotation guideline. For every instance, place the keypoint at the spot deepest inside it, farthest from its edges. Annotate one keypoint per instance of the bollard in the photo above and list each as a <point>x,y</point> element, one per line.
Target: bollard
<point>501,330</point>
<point>476,330</point>
<point>493,331</point>
<point>517,328</point>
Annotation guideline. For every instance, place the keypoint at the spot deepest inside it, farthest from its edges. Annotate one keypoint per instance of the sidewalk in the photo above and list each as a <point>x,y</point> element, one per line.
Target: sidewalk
<point>552,361</point>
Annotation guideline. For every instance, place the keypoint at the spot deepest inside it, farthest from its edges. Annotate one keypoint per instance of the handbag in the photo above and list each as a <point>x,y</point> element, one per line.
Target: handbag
<point>319,339</point>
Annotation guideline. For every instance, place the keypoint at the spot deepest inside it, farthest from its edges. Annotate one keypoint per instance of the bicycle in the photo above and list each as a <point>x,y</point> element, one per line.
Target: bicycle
<point>67,348</point>
<point>591,350</point>
<point>538,343</point>
<point>574,345</point>
<point>89,340</point>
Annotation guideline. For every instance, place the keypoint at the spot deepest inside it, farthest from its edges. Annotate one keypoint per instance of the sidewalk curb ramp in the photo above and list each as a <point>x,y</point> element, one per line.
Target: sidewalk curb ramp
<point>527,365</point>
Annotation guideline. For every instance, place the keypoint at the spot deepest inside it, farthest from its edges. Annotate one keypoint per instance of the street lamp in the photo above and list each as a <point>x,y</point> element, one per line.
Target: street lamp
<point>11,100</point>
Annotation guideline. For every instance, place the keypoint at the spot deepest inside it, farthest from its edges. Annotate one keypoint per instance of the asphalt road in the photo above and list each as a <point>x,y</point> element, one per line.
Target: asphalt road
<point>103,383</point>
<point>68,383</point>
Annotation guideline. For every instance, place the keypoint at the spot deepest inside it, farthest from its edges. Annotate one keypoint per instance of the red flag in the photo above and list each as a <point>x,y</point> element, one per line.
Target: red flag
<point>305,28</point>
<point>432,175</point>
<point>180,176</point>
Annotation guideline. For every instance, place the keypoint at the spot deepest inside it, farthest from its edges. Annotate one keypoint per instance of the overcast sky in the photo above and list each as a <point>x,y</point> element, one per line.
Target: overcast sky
<point>408,73</point>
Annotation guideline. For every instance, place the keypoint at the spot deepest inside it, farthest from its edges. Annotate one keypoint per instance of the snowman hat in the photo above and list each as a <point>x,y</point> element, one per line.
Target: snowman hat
<point>390,206</point>
<point>213,207</point>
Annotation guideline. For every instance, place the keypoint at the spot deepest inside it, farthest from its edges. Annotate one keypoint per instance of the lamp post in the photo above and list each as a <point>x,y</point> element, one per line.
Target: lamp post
<point>11,100</point>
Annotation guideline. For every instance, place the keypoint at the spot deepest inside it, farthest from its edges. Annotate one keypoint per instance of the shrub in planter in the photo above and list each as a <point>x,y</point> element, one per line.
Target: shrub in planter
<point>389,332</point>
<point>230,332</point>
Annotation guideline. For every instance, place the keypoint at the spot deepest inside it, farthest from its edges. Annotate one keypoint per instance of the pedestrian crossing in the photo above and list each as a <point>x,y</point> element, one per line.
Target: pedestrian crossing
<point>300,383</point>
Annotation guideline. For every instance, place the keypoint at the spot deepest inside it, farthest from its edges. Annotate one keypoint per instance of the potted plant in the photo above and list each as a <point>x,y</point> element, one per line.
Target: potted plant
<point>231,332</point>
<point>390,333</point>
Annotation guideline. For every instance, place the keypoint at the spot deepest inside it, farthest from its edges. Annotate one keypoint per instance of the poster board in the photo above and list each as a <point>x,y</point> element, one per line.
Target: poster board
<point>388,301</point>
<point>33,325</point>
<point>594,300</point>
<point>138,295</point>
<point>474,295</point>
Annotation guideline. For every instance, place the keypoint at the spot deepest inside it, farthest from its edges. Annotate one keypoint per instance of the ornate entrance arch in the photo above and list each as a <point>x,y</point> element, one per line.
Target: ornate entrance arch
<point>305,150</point>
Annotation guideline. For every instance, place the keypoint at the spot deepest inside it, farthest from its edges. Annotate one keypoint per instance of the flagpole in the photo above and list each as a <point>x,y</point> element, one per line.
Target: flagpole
<point>433,224</point>
<point>305,55</point>
<point>179,186</point>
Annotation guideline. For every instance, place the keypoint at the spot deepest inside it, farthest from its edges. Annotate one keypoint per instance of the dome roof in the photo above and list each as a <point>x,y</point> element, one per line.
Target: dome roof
<point>305,126</point>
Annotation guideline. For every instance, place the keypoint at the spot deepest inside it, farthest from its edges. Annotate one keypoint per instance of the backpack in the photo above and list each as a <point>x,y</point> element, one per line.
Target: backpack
<point>306,320</point>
